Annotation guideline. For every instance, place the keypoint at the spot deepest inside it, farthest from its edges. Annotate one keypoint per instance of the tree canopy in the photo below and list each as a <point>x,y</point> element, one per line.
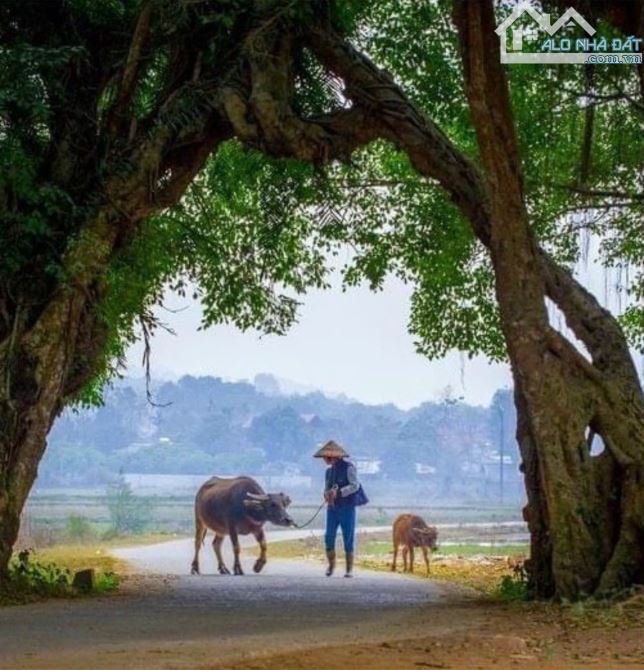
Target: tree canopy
<point>253,233</point>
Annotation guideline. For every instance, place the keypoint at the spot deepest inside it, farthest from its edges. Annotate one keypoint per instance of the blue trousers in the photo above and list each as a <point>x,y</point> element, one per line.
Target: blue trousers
<point>345,517</point>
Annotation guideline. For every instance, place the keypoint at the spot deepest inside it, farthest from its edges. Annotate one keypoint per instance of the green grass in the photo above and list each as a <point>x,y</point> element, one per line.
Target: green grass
<point>378,548</point>
<point>382,548</point>
<point>477,550</point>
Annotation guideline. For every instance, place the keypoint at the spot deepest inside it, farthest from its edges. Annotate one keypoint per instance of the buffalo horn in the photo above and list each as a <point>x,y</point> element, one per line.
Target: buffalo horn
<point>262,497</point>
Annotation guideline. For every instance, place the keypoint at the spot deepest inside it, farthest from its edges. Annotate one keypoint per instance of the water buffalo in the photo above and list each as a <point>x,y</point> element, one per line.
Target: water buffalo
<point>412,531</point>
<point>234,507</point>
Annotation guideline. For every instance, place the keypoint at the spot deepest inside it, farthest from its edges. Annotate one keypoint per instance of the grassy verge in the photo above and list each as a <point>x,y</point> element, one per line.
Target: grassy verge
<point>75,557</point>
<point>48,572</point>
<point>35,577</point>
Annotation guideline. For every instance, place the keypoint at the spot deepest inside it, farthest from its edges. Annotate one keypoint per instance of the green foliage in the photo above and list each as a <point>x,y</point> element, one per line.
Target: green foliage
<point>245,237</point>
<point>253,234</point>
<point>454,303</point>
<point>42,579</point>
<point>515,586</point>
<point>106,581</point>
<point>128,513</point>
<point>31,579</point>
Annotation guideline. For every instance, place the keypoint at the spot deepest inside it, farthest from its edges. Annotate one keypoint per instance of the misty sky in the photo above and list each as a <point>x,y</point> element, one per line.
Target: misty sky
<point>354,343</point>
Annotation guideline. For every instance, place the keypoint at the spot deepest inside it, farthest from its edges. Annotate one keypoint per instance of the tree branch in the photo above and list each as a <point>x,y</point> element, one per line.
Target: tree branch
<point>115,119</point>
<point>436,157</point>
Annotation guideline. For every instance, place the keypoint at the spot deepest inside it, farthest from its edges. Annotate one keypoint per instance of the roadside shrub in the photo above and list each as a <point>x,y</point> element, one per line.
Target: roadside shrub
<point>78,529</point>
<point>42,579</point>
<point>514,586</point>
<point>106,581</point>
<point>30,580</point>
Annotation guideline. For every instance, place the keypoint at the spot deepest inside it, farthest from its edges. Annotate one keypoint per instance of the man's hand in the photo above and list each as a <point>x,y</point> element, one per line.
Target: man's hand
<point>330,495</point>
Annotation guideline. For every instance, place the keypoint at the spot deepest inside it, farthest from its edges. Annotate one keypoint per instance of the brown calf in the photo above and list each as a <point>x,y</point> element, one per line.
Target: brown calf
<point>412,531</point>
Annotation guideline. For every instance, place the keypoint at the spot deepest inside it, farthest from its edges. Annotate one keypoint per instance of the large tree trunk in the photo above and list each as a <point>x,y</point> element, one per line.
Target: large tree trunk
<point>43,364</point>
<point>56,348</point>
<point>585,513</point>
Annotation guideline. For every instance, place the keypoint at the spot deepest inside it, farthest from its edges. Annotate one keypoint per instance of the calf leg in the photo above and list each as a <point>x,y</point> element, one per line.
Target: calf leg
<point>261,561</point>
<point>426,555</point>
<point>234,538</point>
<point>405,552</point>
<point>200,534</point>
<point>393,565</point>
<point>216,544</point>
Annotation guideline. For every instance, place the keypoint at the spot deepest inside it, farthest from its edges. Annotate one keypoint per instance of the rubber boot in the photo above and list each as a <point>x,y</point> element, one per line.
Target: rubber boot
<point>331,558</point>
<point>349,572</point>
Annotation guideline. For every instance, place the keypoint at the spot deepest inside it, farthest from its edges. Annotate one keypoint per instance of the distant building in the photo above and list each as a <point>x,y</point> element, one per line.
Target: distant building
<point>367,465</point>
<point>495,457</point>
<point>424,469</point>
<point>281,469</point>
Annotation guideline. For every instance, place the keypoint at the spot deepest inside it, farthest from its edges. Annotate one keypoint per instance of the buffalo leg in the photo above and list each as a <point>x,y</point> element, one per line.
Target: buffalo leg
<point>234,538</point>
<point>393,565</point>
<point>200,534</point>
<point>261,561</point>
<point>405,552</point>
<point>426,555</point>
<point>216,544</point>
<point>411,559</point>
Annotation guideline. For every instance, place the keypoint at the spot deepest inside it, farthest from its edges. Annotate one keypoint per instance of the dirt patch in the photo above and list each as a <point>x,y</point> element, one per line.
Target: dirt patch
<point>546,637</point>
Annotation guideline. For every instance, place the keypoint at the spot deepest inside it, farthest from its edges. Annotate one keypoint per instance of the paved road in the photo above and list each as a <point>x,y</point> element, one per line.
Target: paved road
<point>172,620</point>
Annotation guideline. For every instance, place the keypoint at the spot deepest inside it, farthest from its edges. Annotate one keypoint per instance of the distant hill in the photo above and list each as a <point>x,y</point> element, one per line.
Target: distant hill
<point>203,424</point>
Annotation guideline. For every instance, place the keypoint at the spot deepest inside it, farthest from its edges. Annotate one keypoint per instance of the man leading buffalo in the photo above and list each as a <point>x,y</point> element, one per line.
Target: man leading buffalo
<point>343,493</point>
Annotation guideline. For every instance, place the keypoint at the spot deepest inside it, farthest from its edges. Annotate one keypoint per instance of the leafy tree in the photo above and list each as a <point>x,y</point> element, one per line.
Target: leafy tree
<point>67,464</point>
<point>78,529</point>
<point>114,427</point>
<point>128,513</point>
<point>281,433</point>
<point>118,178</point>
<point>443,434</point>
<point>175,459</point>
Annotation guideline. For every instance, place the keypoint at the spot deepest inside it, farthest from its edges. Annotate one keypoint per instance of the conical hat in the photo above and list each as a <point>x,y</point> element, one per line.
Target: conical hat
<point>331,449</point>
